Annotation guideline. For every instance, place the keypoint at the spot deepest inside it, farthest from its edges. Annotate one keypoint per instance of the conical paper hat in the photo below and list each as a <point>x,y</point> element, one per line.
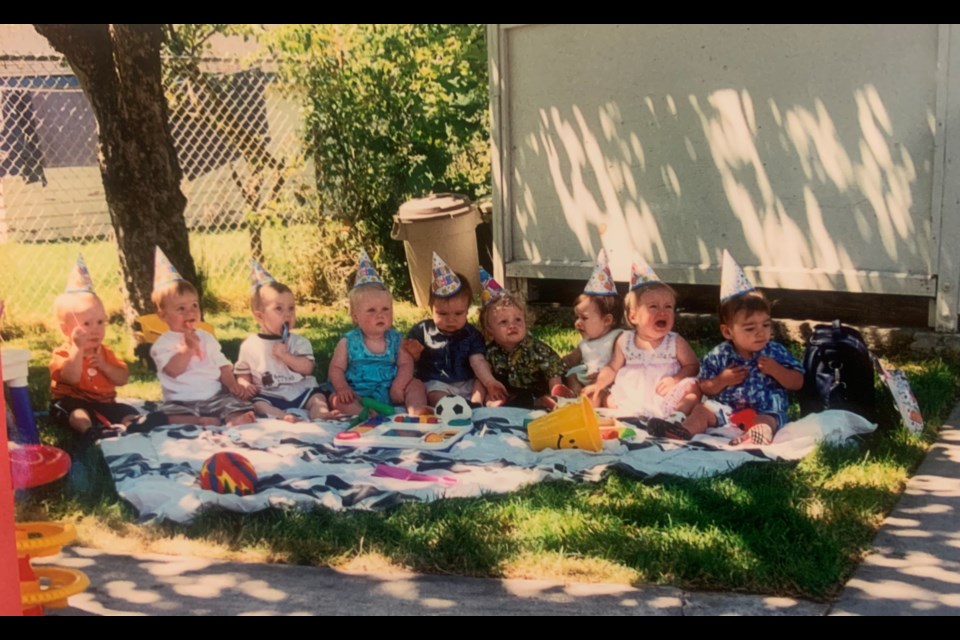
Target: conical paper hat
<point>491,289</point>
<point>445,282</point>
<point>366,274</point>
<point>641,273</point>
<point>164,273</point>
<point>79,280</point>
<point>733,281</point>
<point>259,275</point>
<point>601,280</point>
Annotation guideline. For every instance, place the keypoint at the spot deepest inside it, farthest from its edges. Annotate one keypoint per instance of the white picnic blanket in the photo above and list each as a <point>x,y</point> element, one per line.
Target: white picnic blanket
<point>299,466</point>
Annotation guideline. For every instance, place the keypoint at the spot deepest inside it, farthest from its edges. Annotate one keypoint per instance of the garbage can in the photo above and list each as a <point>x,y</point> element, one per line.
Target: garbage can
<point>441,222</point>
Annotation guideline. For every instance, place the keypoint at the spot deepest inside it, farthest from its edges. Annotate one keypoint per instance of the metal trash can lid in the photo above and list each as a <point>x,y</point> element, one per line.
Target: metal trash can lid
<point>434,206</point>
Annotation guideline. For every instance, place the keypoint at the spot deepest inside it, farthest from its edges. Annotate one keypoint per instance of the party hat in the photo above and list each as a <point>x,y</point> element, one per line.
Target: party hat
<point>601,280</point>
<point>445,282</point>
<point>490,288</point>
<point>733,281</point>
<point>641,273</point>
<point>258,275</point>
<point>164,273</point>
<point>79,280</point>
<point>366,274</point>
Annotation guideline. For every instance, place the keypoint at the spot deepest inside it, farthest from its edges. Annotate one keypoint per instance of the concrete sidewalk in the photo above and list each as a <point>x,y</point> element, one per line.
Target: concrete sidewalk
<point>914,570</point>
<point>187,586</point>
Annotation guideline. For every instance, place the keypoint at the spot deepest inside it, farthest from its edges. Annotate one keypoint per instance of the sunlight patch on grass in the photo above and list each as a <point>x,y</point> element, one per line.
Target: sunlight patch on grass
<point>93,532</point>
<point>870,474</point>
<point>371,562</point>
<point>561,567</point>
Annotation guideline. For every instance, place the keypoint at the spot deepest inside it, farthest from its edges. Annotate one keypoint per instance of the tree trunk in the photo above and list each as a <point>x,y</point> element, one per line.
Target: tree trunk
<point>118,66</point>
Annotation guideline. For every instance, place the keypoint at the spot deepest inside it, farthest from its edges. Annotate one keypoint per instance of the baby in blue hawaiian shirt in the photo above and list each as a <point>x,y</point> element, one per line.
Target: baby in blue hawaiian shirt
<point>748,371</point>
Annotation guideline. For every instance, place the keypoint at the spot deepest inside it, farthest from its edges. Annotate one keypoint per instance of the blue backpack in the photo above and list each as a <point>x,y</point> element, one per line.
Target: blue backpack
<point>838,372</point>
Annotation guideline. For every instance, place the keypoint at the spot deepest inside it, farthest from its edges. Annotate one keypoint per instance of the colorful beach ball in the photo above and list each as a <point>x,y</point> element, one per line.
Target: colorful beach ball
<point>227,472</point>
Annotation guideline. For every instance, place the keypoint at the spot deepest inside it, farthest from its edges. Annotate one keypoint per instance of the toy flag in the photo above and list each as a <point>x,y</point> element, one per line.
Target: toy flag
<point>896,381</point>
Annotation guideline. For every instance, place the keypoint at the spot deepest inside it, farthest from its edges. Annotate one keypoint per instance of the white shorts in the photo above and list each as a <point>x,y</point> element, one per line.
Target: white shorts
<point>463,389</point>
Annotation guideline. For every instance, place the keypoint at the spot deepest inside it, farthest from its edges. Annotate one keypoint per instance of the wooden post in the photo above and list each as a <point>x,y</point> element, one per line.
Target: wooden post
<point>948,129</point>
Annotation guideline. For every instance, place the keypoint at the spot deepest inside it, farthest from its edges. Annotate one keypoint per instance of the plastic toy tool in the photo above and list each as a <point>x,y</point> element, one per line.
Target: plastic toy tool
<point>369,404</point>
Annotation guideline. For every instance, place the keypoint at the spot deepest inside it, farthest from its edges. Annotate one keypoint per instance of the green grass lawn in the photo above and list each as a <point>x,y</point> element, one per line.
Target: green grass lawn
<point>779,528</point>
<point>222,257</point>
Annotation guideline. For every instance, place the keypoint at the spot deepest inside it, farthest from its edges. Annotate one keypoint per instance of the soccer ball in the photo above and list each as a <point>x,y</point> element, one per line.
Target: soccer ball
<point>453,410</point>
<point>227,472</point>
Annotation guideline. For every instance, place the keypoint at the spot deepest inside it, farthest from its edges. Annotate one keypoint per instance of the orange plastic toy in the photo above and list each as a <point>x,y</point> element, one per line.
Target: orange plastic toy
<point>43,587</point>
<point>46,587</point>
<point>23,589</point>
<point>33,465</point>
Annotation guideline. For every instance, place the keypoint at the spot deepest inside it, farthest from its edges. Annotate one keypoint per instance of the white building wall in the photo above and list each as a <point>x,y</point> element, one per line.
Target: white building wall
<point>815,154</point>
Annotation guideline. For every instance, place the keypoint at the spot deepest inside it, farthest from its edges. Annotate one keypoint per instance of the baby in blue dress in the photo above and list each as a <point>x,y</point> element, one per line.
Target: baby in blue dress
<point>368,361</point>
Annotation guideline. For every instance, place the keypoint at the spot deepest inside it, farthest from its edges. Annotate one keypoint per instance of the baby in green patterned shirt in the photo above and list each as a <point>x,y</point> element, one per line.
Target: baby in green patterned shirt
<point>527,367</point>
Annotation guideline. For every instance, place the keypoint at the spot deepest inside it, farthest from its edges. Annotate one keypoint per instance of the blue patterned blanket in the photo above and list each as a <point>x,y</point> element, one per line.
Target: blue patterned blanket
<point>299,466</point>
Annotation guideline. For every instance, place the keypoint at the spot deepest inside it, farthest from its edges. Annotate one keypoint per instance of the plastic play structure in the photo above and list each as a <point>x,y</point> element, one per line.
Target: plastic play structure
<point>41,587</point>
<point>25,590</point>
<point>46,587</point>
<point>15,365</point>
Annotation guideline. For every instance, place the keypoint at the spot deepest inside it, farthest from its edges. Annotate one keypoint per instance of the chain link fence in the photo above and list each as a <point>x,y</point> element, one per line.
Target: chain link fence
<point>249,190</point>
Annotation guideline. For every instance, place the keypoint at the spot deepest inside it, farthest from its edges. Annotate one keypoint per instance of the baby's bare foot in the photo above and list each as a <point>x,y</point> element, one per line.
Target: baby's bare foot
<point>289,417</point>
<point>246,417</point>
<point>325,414</point>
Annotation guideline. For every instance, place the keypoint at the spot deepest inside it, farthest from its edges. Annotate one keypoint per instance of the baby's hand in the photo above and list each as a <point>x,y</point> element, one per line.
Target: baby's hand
<point>733,375</point>
<point>413,347</point>
<point>280,351</point>
<point>345,396</point>
<point>665,384</point>
<point>593,392</point>
<point>248,389</point>
<point>97,361</point>
<point>236,390</point>
<point>496,391</point>
<point>768,365</point>
<point>191,343</point>
<point>78,336</point>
